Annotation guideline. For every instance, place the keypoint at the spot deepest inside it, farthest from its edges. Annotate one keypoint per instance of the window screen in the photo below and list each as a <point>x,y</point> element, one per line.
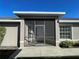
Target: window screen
<point>65,32</point>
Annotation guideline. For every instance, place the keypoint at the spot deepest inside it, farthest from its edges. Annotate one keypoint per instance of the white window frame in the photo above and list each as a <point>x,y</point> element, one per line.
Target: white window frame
<point>70,33</point>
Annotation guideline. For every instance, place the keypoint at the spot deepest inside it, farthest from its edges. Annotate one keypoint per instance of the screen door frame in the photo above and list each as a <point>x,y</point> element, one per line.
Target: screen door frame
<point>43,30</point>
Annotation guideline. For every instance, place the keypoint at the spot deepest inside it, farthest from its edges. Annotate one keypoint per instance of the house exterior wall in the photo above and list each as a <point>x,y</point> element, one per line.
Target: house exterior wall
<point>74,30</point>
<point>14,29</point>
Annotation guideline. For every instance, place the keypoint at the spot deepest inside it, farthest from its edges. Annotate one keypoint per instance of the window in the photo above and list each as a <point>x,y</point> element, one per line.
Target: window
<point>65,32</point>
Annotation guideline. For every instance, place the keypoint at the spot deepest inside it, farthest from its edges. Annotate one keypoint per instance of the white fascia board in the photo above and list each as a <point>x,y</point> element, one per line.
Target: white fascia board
<point>10,20</point>
<point>68,21</point>
<point>35,12</point>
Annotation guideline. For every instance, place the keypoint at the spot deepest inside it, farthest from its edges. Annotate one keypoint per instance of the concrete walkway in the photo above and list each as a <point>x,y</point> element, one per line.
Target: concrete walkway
<point>48,52</point>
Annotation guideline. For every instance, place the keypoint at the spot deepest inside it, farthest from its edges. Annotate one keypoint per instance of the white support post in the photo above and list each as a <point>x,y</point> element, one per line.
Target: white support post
<point>57,31</point>
<point>22,33</point>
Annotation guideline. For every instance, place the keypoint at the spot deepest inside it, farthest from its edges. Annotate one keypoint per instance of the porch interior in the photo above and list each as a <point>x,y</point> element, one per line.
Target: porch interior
<point>40,32</point>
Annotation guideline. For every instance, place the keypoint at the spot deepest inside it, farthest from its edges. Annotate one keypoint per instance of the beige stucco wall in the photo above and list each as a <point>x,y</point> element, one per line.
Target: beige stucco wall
<point>75,31</point>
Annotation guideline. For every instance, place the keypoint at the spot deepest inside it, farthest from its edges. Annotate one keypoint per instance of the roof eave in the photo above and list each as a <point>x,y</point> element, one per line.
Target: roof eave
<point>38,13</point>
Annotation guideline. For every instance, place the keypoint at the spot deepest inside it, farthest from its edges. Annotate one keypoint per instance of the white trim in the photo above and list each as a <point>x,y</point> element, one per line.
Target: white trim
<point>72,32</point>
<point>68,39</point>
<point>21,41</point>
<point>10,20</point>
<point>57,31</point>
<point>68,21</point>
<point>35,12</point>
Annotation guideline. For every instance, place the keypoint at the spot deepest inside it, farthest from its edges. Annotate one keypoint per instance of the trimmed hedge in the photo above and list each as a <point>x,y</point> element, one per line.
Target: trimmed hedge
<point>69,44</point>
<point>2,33</point>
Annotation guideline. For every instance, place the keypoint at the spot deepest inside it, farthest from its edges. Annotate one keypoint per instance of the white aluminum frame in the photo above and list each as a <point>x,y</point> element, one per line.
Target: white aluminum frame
<point>39,25</point>
<point>70,33</point>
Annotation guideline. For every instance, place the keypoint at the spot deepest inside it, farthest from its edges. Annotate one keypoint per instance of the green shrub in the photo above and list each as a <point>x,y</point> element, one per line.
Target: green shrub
<point>66,44</point>
<point>2,33</point>
<point>76,44</point>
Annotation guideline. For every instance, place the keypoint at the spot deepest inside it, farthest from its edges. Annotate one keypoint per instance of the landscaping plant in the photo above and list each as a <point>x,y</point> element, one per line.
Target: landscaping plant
<point>2,33</point>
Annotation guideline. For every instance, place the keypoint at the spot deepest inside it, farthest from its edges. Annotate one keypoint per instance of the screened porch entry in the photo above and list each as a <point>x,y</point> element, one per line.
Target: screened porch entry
<point>40,32</point>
